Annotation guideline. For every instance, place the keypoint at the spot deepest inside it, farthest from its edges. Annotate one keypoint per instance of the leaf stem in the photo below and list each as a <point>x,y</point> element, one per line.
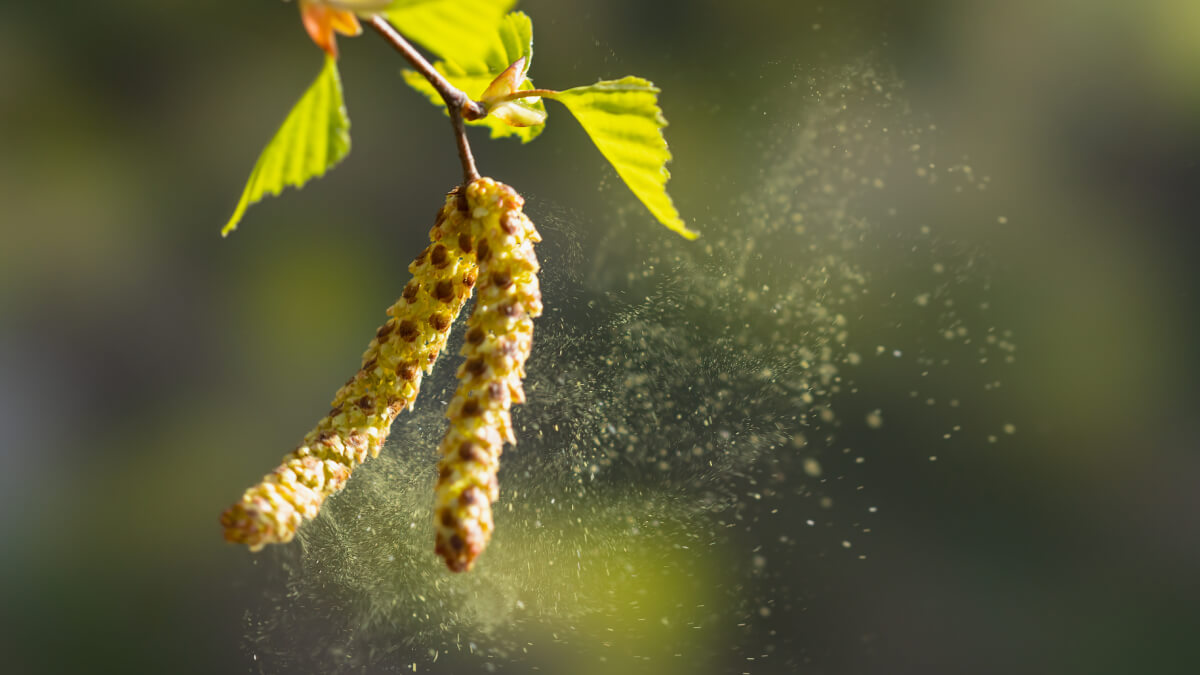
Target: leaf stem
<point>458,103</point>
<point>530,93</point>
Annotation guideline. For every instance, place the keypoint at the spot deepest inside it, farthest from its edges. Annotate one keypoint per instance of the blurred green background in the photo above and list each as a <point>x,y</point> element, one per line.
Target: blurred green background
<point>149,371</point>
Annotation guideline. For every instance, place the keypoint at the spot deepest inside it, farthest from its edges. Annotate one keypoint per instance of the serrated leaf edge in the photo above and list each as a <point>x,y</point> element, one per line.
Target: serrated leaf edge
<point>294,175</point>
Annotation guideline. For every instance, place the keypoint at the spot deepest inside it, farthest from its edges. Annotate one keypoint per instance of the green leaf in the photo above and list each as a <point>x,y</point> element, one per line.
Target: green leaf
<point>462,31</point>
<point>512,40</point>
<point>624,121</point>
<point>314,137</point>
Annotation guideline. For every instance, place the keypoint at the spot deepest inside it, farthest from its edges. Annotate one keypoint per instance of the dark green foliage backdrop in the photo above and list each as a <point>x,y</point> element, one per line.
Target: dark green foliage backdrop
<point>149,370</point>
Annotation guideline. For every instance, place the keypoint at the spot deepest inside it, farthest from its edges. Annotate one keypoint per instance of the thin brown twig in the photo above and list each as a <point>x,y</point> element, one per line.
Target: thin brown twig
<point>470,173</point>
<point>458,103</point>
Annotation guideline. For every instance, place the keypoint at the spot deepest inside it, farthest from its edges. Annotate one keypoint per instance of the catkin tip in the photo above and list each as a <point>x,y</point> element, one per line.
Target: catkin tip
<point>361,415</point>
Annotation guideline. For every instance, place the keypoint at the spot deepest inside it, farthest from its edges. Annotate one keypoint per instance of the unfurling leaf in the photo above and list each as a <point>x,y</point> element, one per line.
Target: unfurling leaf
<point>475,68</point>
<point>506,82</point>
<point>314,137</point>
<point>624,121</point>
<point>515,112</point>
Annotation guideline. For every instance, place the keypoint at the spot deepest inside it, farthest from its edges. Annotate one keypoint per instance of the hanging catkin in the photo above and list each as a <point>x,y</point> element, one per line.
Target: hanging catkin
<point>388,382</point>
<point>497,342</point>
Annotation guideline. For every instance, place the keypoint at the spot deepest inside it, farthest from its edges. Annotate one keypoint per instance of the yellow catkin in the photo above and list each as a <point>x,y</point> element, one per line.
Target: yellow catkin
<point>388,381</point>
<point>496,344</point>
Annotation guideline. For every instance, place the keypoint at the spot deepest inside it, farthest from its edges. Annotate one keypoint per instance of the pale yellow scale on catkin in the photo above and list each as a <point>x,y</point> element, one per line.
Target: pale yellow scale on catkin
<point>497,343</point>
<point>388,381</point>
